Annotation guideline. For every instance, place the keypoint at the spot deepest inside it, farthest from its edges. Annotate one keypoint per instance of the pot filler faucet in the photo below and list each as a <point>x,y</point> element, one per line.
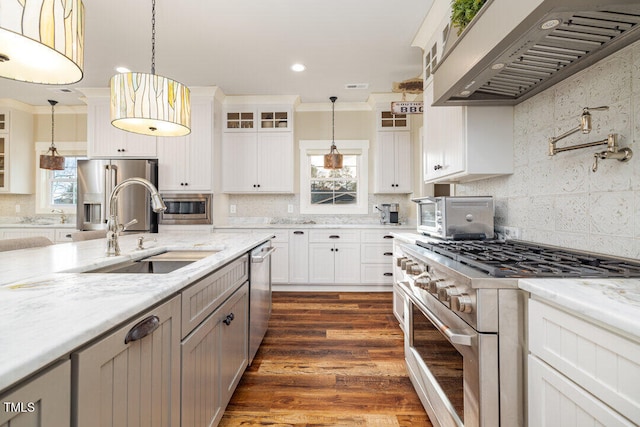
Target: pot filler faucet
<point>613,151</point>
<point>113,227</point>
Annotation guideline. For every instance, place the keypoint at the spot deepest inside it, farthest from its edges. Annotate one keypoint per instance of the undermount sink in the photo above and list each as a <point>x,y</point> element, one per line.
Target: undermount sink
<point>163,263</point>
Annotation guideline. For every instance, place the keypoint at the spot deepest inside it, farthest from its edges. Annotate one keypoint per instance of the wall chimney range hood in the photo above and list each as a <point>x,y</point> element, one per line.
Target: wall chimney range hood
<point>516,49</point>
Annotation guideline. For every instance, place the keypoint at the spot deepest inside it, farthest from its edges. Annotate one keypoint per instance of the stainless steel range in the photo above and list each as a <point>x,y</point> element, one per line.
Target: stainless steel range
<point>465,343</point>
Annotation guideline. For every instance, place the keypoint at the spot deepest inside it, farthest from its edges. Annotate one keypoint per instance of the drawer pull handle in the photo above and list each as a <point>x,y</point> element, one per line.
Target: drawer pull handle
<point>227,321</point>
<point>388,274</point>
<point>388,253</point>
<point>388,237</point>
<point>68,236</point>
<point>334,236</point>
<point>142,329</point>
<point>298,232</point>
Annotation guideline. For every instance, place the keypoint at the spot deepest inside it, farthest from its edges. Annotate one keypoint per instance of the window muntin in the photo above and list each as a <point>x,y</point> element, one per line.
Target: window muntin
<point>334,186</point>
<point>63,189</point>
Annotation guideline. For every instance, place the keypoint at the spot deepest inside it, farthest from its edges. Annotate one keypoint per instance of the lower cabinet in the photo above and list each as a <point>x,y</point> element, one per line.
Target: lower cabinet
<point>579,373</point>
<point>214,356</point>
<point>280,258</point>
<point>131,377</point>
<point>334,256</point>
<point>41,402</point>
<point>298,256</point>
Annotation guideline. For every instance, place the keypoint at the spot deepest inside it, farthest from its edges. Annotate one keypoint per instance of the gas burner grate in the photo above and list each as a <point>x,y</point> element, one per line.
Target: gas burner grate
<point>520,259</point>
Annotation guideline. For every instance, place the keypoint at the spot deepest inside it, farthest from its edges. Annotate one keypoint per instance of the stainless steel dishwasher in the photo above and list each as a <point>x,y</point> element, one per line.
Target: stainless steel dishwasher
<point>259,296</point>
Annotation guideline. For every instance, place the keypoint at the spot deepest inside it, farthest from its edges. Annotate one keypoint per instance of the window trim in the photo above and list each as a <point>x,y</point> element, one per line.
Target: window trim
<point>310,147</point>
<point>76,149</point>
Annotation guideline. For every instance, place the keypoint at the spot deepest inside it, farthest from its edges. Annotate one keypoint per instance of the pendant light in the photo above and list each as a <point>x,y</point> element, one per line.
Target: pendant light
<point>52,161</point>
<point>333,160</point>
<point>150,104</point>
<point>42,41</point>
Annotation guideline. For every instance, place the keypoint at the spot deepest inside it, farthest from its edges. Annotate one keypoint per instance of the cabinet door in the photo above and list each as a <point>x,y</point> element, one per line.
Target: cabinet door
<point>239,161</point>
<point>18,233</point>
<point>201,399</point>
<point>234,345</point>
<point>403,162</point>
<point>275,162</point>
<point>385,163</point>
<point>172,160</point>
<point>135,383</point>
<point>44,401</point>
<point>347,263</point>
<point>321,262</point>
<point>139,146</point>
<point>104,140</point>
<point>280,263</point>
<point>298,256</point>
<point>199,158</point>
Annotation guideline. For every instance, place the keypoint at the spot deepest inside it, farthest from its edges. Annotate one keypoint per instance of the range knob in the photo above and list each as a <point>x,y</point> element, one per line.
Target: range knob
<point>433,285</point>
<point>415,269</point>
<point>422,283</point>
<point>404,262</point>
<point>399,261</point>
<point>445,292</point>
<point>462,303</point>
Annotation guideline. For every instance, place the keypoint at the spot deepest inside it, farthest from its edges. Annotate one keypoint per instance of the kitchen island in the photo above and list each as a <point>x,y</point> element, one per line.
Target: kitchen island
<point>49,307</point>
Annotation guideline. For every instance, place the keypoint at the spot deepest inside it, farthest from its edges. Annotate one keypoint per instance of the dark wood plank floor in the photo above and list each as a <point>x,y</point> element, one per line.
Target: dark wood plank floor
<point>328,359</point>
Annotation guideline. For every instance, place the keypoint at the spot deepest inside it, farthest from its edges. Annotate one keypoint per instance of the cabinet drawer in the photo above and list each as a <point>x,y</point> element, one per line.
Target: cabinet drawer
<point>201,299</point>
<point>606,364</point>
<point>334,236</point>
<point>377,253</point>
<point>376,236</point>
<point>63,235</point>
<point>280,236</point>
<point>376,273</point>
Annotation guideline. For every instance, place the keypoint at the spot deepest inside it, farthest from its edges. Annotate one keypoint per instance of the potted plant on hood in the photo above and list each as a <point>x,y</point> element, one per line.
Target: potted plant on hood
<point>463,11</point>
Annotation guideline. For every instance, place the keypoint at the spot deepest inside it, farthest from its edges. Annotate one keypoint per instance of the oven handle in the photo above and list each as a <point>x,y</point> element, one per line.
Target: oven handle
<point>453,337</point>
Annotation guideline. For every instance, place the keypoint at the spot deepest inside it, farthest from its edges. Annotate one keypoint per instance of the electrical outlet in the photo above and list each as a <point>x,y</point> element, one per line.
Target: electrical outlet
<point>375,208</point>
<point>17,208</point>
<point>290,208</point>
<point>232,208</point>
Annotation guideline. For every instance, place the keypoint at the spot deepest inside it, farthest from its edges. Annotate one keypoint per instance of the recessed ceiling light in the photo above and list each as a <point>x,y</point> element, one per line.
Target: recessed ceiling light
<point>123,70</point>
<point>298,67</point>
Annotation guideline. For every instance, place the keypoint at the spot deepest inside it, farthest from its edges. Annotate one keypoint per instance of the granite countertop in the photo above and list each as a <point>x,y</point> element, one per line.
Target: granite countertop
<point>612,303</point>
<point>38,224</point>
<point>48,308</point>
<point>320,226</point>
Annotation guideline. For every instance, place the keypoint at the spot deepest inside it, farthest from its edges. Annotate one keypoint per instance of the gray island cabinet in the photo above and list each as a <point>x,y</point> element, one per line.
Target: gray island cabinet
<point>169,351</point>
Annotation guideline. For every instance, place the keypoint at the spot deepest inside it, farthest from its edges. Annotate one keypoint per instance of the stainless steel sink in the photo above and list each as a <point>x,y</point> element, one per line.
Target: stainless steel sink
<point>163,263</point>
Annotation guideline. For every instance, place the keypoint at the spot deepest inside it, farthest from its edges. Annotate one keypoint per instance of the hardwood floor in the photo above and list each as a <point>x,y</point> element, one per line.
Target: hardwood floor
<point>328,359</point>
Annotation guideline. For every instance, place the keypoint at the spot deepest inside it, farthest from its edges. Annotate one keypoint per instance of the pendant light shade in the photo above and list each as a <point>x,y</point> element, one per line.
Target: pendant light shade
<point>150,104</point>
<point>333,160</point>
<point>42,41</point>
<point>52,161</point>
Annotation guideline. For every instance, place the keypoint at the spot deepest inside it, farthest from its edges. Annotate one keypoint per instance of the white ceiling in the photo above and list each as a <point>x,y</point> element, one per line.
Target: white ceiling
<point>246,47</point>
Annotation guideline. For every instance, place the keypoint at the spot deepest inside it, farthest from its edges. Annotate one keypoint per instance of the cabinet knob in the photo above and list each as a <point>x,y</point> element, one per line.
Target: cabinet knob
<point>227,321</point>
<point>142,329</point>
<point>437,167</point>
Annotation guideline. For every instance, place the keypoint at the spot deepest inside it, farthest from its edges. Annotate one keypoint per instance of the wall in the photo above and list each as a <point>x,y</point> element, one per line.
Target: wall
<point>558,200</point>
<point>316,125</point>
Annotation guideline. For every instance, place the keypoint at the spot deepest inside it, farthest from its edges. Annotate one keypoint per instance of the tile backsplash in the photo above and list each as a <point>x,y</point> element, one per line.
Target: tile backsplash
<point>557,199</point>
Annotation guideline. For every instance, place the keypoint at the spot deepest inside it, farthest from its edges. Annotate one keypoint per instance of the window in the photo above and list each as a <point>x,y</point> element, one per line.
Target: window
<point>58,189</point>
<point>340,191</point>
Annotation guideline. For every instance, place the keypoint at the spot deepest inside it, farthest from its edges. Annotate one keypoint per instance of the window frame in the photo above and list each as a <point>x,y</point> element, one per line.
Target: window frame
<point>43,176</point>
<point>314,147</point>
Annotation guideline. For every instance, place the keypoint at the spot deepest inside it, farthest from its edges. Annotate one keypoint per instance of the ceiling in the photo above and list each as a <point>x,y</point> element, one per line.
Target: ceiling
<point>246,47</point>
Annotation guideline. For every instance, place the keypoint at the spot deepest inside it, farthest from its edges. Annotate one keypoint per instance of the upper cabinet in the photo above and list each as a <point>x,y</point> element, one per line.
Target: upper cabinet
<point>107,141</point>
<point>185,164</point>
<point>257,149</point>
<point>464,144</point>
<point>16,152</point>
<point>393,152</point>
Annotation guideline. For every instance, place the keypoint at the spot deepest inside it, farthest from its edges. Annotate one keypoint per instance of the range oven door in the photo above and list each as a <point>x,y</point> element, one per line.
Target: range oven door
<point>453,367</point>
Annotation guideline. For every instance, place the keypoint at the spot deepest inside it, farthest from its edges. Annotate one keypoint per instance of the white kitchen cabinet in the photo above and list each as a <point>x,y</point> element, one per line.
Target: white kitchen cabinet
<point>298,256</point>
<point>44,401</point>
<point>387,121</point>
<point>280,258</point>
<point>234,342</point>
<point>257,162</point>
<point>16,152</point>
<point>257,149</point>
<point>393,163</point>
<point>122,382</point>
<point>465,143</point>
<point>21,232</point>
<point>106,141</point>
<point>334,256</point>
<point>376,258</point>
<point>580,373</point>
<point>185,163</point>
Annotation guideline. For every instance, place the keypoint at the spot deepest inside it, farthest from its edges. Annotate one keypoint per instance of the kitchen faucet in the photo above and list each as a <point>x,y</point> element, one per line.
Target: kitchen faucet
<point>113,227</point>
<point>63,217</point>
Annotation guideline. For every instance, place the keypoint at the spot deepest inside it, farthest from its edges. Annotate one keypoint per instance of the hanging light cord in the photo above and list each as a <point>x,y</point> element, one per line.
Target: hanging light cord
<point>153,36</point>
<point>333,121</point>
<point>52,122</point>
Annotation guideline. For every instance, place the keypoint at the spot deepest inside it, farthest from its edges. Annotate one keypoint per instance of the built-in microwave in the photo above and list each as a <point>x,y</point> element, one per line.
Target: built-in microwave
<point>456,218</point>
<point>186,209</point>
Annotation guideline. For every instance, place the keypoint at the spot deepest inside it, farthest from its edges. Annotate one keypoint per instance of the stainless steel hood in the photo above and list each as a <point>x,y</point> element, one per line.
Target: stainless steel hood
<point>516,49</point>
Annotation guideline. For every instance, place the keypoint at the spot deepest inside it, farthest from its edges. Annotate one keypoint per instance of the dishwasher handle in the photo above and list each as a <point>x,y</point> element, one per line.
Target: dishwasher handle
<point>263,256</point>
